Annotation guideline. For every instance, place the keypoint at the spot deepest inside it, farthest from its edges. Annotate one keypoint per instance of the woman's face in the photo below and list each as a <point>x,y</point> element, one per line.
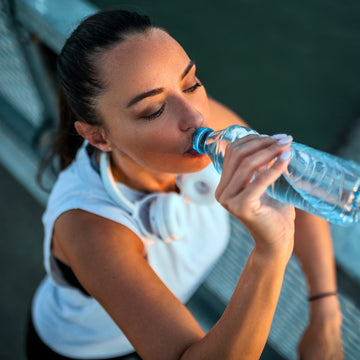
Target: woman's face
<point>153,103</point>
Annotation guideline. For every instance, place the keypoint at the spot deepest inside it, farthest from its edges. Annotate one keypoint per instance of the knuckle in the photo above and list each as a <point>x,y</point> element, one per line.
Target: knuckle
<point>218,194</point>
<point>223,200</point>
<point>231,148</point>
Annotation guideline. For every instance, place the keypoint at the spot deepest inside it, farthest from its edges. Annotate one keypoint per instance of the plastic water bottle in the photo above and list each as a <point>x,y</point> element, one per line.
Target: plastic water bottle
<point>316,182</point>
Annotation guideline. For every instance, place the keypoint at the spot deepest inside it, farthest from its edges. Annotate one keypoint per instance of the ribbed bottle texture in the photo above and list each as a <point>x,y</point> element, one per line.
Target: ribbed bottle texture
<point>317,182</point>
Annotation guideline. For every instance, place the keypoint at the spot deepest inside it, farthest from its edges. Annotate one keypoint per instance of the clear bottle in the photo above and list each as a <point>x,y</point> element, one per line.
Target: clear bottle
<point>316,182</point>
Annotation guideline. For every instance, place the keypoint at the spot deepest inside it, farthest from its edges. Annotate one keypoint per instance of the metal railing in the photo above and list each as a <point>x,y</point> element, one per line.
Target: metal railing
<point>31,34</point>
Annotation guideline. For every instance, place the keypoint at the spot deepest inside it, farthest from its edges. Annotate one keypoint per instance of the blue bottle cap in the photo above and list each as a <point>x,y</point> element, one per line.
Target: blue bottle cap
<point>199,139</point>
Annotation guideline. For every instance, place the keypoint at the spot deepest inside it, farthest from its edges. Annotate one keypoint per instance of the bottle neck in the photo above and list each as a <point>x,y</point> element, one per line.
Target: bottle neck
<point>199,139</point>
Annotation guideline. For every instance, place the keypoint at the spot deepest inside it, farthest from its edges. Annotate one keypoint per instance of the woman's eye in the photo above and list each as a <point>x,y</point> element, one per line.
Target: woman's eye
<point>193,88</point>
<point>155,114</point>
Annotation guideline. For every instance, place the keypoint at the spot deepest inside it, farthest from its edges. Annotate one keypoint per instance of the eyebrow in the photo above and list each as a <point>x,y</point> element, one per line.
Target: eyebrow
<point>157,91</point>
<point>144,95</point>
<point>188,68</point>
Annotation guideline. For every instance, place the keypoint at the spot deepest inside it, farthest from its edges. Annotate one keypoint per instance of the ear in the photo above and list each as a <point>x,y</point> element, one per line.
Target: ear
<point>94,134</point>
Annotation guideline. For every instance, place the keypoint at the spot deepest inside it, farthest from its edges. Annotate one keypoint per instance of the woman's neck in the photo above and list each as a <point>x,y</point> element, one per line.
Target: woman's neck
<point>126,171</point>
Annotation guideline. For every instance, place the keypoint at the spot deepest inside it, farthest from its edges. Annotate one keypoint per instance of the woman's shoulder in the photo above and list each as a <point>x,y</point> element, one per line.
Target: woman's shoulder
<point>92,230</point>
<point>80,187</point>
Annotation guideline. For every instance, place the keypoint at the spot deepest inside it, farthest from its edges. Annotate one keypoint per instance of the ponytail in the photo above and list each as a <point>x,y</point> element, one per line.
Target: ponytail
<point>65,144</point>
<point>67,141</point>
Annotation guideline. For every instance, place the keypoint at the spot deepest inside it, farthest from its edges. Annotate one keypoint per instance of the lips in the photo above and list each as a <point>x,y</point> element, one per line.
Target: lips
<point>191,152</point>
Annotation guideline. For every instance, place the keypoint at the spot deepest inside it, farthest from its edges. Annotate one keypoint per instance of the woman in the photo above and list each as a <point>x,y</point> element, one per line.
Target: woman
<point>130,90</point>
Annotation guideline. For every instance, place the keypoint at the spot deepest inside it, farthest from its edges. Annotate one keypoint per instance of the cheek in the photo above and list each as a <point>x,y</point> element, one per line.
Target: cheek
<point>161,135</point>
<point>161,144</point>
<point>153,141</point>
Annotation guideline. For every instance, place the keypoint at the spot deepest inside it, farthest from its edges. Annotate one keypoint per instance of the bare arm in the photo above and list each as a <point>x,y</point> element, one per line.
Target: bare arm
<point>313,247</point>
<point>108,260</point>
<point>313,243</point>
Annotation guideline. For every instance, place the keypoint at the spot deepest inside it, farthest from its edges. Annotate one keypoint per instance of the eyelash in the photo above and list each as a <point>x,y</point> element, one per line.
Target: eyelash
<point>155,114</point>
<point>193,88</point>
<point>161,110</point>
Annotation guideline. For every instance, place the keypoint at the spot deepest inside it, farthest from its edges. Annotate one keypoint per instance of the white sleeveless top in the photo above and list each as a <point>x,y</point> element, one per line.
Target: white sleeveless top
<point>75,325</point>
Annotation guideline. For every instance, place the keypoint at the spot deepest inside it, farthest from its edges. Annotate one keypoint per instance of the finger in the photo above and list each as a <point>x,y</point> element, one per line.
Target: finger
<point>266,178</point>
<point>237,178</point>
<point>238,151</point>
<point>242,148</point>
<point>256,183</point>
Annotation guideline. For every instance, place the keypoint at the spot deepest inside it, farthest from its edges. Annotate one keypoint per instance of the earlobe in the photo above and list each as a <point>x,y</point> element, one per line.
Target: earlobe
<point>94,134</point>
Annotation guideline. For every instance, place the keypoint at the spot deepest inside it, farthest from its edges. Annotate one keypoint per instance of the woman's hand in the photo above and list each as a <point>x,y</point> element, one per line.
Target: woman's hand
<point>322,338</point>
<point>270,222</point>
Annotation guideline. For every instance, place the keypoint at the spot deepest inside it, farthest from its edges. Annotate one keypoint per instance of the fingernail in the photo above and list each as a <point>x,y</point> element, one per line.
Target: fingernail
<point>285,140</point>
<point>285,155</point>
<point>278,136</point>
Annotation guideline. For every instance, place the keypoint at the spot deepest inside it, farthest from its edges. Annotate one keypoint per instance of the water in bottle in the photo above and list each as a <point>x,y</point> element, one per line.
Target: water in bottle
<point>317,182</point>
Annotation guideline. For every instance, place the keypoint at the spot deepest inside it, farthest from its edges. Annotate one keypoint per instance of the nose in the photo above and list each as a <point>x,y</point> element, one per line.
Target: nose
<point>190,116</point>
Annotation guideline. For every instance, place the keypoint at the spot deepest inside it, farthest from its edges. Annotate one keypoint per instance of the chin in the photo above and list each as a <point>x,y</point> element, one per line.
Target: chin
<point>183,164</point>
<point>197,164</point>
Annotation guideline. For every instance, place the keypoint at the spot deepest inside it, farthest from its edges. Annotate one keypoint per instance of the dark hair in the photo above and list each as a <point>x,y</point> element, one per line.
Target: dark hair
<point>78,75</point>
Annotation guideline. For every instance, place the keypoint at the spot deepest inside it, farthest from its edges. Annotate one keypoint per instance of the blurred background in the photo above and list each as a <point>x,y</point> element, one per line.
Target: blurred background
<point>289,67</point>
